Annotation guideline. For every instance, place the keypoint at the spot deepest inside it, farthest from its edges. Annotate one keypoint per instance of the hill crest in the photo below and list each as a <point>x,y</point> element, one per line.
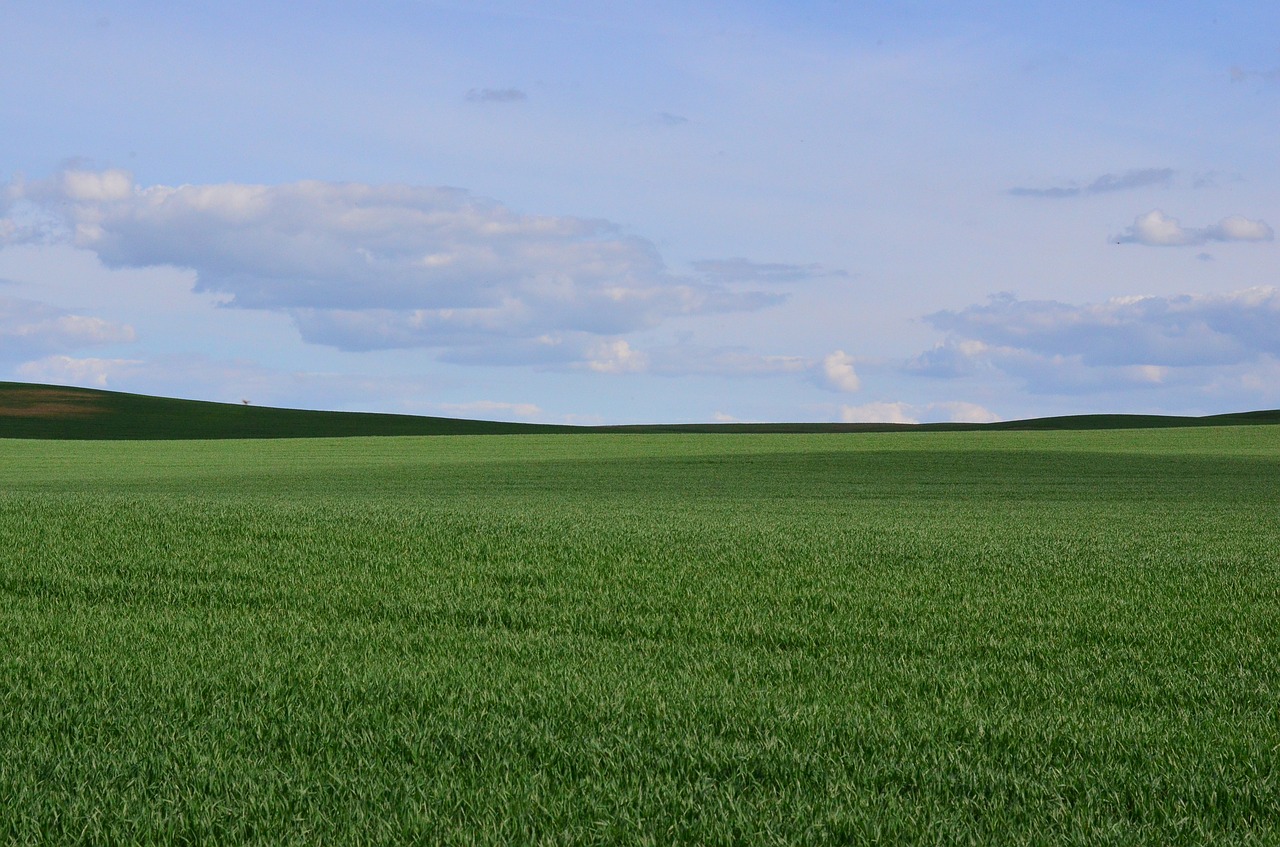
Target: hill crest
<point>29,410</point>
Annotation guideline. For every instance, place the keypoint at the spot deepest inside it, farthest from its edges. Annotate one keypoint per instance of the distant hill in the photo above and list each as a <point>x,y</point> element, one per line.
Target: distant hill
<point>57,412</point>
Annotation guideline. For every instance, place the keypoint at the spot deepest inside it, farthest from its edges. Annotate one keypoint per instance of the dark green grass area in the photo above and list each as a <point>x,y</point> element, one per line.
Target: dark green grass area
<point>988,638</point>
<point>56,412</point>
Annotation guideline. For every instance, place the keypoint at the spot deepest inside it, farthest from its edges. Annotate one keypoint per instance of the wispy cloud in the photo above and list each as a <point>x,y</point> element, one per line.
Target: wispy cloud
<point>745,271</point>
<point>28,327</point>
<point>692,359</point>
<point>491,408</point>
<point>1156,229</point>
<point>912,413</point>
<point>496,95</point>
<point>1239,74</point>
<point>1125,181</point>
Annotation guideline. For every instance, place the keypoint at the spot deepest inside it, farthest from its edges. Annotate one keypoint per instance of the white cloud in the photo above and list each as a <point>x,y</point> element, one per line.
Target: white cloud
<point>839,372</point>
<point>615,356</point>
<point>91,186</point>
<point>1238,228</point>
<point>30,327</point>
<point>954,411</point>
<point>959,411</point>
<point>1156,229</point>
<point>899,413</point>
<point>66,370</point>
<point>363,267</point>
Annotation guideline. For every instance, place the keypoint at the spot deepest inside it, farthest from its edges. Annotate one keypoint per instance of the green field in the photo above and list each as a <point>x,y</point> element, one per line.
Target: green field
<point>938,638</point>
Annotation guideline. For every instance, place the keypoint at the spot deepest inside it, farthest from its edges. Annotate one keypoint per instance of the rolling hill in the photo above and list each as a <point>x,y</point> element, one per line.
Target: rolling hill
<point>59,412</point>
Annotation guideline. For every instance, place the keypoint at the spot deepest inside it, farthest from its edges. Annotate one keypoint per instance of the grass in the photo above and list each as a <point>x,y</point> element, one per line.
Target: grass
<point>977,637</point>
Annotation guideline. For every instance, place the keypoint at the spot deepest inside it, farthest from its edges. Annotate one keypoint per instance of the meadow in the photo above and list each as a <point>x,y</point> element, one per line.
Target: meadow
<point>900,638</point>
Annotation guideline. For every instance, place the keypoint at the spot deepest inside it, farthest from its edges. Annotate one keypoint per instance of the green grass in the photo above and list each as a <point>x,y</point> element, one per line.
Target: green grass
<point>944,638</point>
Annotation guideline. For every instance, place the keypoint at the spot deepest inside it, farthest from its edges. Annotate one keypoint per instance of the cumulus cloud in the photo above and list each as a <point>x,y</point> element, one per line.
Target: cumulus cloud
<point>1126,181</point>
<point>363,267</point>
<point>743,270</point>
<point>838,371</point>
<point>30,327</point>
<point>496,95</point>
<point>1156,229</point>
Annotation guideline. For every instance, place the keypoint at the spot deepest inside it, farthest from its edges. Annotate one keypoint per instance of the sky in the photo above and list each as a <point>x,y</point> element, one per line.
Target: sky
<point>601,212</point>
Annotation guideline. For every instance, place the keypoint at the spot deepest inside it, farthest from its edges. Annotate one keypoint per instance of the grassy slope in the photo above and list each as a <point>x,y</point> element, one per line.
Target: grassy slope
<point>989,637</point>
<point>43,411</point>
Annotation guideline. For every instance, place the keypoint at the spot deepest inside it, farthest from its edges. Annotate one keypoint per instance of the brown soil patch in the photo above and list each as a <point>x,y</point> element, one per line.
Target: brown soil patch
<point>47,403</point>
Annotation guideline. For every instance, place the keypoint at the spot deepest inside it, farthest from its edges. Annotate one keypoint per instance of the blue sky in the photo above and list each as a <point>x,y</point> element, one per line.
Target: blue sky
<point>607,212</point>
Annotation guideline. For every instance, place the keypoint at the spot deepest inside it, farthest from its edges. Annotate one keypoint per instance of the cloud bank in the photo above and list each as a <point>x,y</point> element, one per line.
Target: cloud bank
<point>363,267</point>
<point>1176,331</point>
<point>1127,342</point>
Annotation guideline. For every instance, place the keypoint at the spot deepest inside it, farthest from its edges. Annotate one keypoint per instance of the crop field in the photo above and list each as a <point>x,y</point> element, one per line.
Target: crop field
<point>898,638</point>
